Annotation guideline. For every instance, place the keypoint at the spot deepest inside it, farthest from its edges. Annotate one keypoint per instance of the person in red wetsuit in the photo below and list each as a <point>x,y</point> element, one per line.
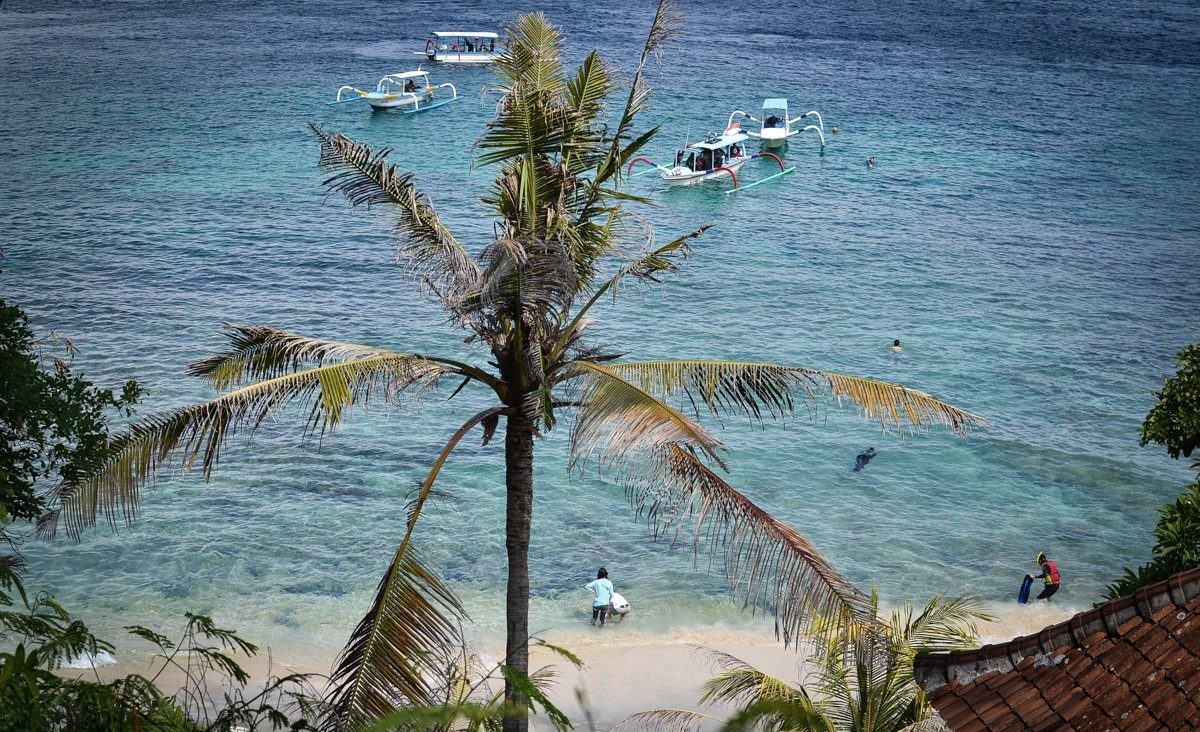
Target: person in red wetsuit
<point>1050,574</point>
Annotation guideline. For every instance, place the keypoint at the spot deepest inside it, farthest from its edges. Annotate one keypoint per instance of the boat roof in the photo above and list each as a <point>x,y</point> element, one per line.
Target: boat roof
<point>775,103</point>
<point>467,34</point>
<point>408,74</point>
<point>729,137</point>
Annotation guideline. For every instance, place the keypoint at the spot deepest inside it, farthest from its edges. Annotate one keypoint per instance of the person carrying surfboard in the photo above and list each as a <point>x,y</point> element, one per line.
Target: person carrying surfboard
<point>1050,574</point>
<point>602,592</point>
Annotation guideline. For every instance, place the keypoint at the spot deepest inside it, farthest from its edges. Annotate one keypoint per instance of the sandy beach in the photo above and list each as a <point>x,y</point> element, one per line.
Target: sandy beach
<point>625,670</point>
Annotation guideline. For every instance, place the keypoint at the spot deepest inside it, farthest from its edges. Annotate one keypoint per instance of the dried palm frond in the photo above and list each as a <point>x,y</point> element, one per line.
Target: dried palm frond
<point>200,431</point>
<point>754,388</point>
<point>768,563</point>
<point>620,419</point>
<point>406,651</point>
<point>263,352</point>
<point>364,176</point>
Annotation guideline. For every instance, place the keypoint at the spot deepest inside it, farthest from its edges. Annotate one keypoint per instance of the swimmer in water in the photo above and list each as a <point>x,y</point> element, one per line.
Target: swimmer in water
<point>863,458</point>
<point>896,347</point>
<point>871,162</point>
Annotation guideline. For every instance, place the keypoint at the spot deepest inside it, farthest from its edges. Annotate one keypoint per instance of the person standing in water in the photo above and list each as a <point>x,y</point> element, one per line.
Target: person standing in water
<point>602,592</point>
<point>1050,574</point>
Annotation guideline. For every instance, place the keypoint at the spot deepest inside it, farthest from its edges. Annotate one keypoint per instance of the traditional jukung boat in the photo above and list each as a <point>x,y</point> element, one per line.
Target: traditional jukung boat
<point>775,127</point>
<point>410,90</point>
<point>461,47</point>
<point>715,156</point>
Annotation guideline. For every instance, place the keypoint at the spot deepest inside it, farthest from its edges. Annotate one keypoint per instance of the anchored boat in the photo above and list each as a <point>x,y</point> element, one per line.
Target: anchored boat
<point>410,90</point>
<point>775,127</point>
<point>719,155</point>
<point>461,47</point>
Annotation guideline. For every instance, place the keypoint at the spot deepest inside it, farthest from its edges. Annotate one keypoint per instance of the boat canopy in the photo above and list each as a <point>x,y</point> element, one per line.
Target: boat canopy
<point>464,34</point>
<point>407,74</point>
<point>731,137</point>
<point>775,103</point>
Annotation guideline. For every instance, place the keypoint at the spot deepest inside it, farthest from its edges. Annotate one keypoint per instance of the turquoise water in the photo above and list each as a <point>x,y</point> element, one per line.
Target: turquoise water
<point>1030,231</point>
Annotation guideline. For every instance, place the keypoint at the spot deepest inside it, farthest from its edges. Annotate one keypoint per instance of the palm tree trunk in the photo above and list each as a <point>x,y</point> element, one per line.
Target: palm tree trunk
<point>518,463</point>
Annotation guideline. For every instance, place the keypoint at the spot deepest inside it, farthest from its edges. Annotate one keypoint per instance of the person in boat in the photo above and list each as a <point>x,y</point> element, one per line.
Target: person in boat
<point>1050,574</point>
<point>735,151</point>
<point>772,121</point>
<point>409,86</point>
<point>718,158</point>
<point>602,592</point>
<point>705,161</point>
<point>492,46</point>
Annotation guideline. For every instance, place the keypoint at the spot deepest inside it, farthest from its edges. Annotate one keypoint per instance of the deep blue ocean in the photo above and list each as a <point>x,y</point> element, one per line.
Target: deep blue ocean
<point>1030,231</point>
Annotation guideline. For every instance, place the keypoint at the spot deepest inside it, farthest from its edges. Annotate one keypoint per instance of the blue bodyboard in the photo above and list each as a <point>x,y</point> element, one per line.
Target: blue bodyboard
<point>1023,595</point>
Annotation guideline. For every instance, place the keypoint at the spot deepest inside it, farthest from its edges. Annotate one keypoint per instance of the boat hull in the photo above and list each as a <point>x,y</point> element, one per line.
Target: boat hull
<point>684,177</point>
<point>453,57</point>
<point>395,101</point>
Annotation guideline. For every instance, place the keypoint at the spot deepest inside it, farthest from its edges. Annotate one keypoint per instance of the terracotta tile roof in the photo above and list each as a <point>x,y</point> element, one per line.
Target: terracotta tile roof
<point>1130,664</point>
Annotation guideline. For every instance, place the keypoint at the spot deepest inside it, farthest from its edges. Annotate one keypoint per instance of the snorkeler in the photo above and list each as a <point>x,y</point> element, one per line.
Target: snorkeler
<point>863,458</point>
<point>1050,574</point>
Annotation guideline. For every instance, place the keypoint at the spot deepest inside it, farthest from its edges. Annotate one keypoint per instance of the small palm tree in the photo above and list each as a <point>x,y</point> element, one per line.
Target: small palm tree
<point>863,680</point>
<point>526,296</point>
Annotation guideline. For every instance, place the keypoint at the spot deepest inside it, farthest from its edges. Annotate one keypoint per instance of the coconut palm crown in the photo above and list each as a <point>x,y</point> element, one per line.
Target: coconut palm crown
<point>560,246</point>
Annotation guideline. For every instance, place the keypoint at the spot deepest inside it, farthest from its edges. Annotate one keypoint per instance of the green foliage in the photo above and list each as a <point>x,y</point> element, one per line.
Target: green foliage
<point>53,422</point>
<point>1174,422</point>
<point>36,695</point>
<point>863,681</point>
<point>1176,546</point>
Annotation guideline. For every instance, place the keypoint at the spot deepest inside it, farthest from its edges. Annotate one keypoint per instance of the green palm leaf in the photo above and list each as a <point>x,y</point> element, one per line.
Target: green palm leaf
<point>402,653</point>
<point>262,352</point>
<point>656,720</point>
<point>618,419</point>
<point>199,432</point>
<point>737,682</point>
<point>756,389</point>
<point>768,563</point>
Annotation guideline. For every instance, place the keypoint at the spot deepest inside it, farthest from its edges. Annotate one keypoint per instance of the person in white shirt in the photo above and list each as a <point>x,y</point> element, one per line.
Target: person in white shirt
<point>602,592</point>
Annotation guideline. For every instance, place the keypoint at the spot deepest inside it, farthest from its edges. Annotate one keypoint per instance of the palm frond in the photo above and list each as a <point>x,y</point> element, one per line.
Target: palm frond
<point>665,258</point>
<point>737,682</point>
<point>755,389</point>
<point>781,715</point>
<point>400,653</point>
<point>654,720</point>
<point>618,419</point>
<point>199,432</point>
<point>768,563</point>
<point>945,624</point>
<point>665,24</point>
<point>263,352</point>
<point>364,176</point>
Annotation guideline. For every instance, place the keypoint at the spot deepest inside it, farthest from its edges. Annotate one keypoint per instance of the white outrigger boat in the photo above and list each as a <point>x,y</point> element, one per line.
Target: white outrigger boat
<point>775,127</point>
<point>410,89</point>
<point>719,155</point>
<point>461,47</point>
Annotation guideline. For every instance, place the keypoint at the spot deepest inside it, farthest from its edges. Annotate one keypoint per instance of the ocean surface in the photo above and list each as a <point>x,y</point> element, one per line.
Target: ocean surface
<point>1030,231</point>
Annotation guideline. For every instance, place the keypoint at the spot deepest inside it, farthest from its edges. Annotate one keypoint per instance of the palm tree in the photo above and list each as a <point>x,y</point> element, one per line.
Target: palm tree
<point>864,678</point>
<point>560,234</point>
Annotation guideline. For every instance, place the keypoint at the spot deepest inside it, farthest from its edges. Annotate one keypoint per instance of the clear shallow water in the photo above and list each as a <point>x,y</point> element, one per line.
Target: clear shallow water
<point>1029,231</point>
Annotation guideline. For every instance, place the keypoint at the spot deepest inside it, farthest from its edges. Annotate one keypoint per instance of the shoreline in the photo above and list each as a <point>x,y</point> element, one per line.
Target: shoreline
<point>625,670</point>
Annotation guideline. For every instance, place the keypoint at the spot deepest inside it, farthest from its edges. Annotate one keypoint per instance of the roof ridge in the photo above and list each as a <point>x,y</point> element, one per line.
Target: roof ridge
<point>932,670</point>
